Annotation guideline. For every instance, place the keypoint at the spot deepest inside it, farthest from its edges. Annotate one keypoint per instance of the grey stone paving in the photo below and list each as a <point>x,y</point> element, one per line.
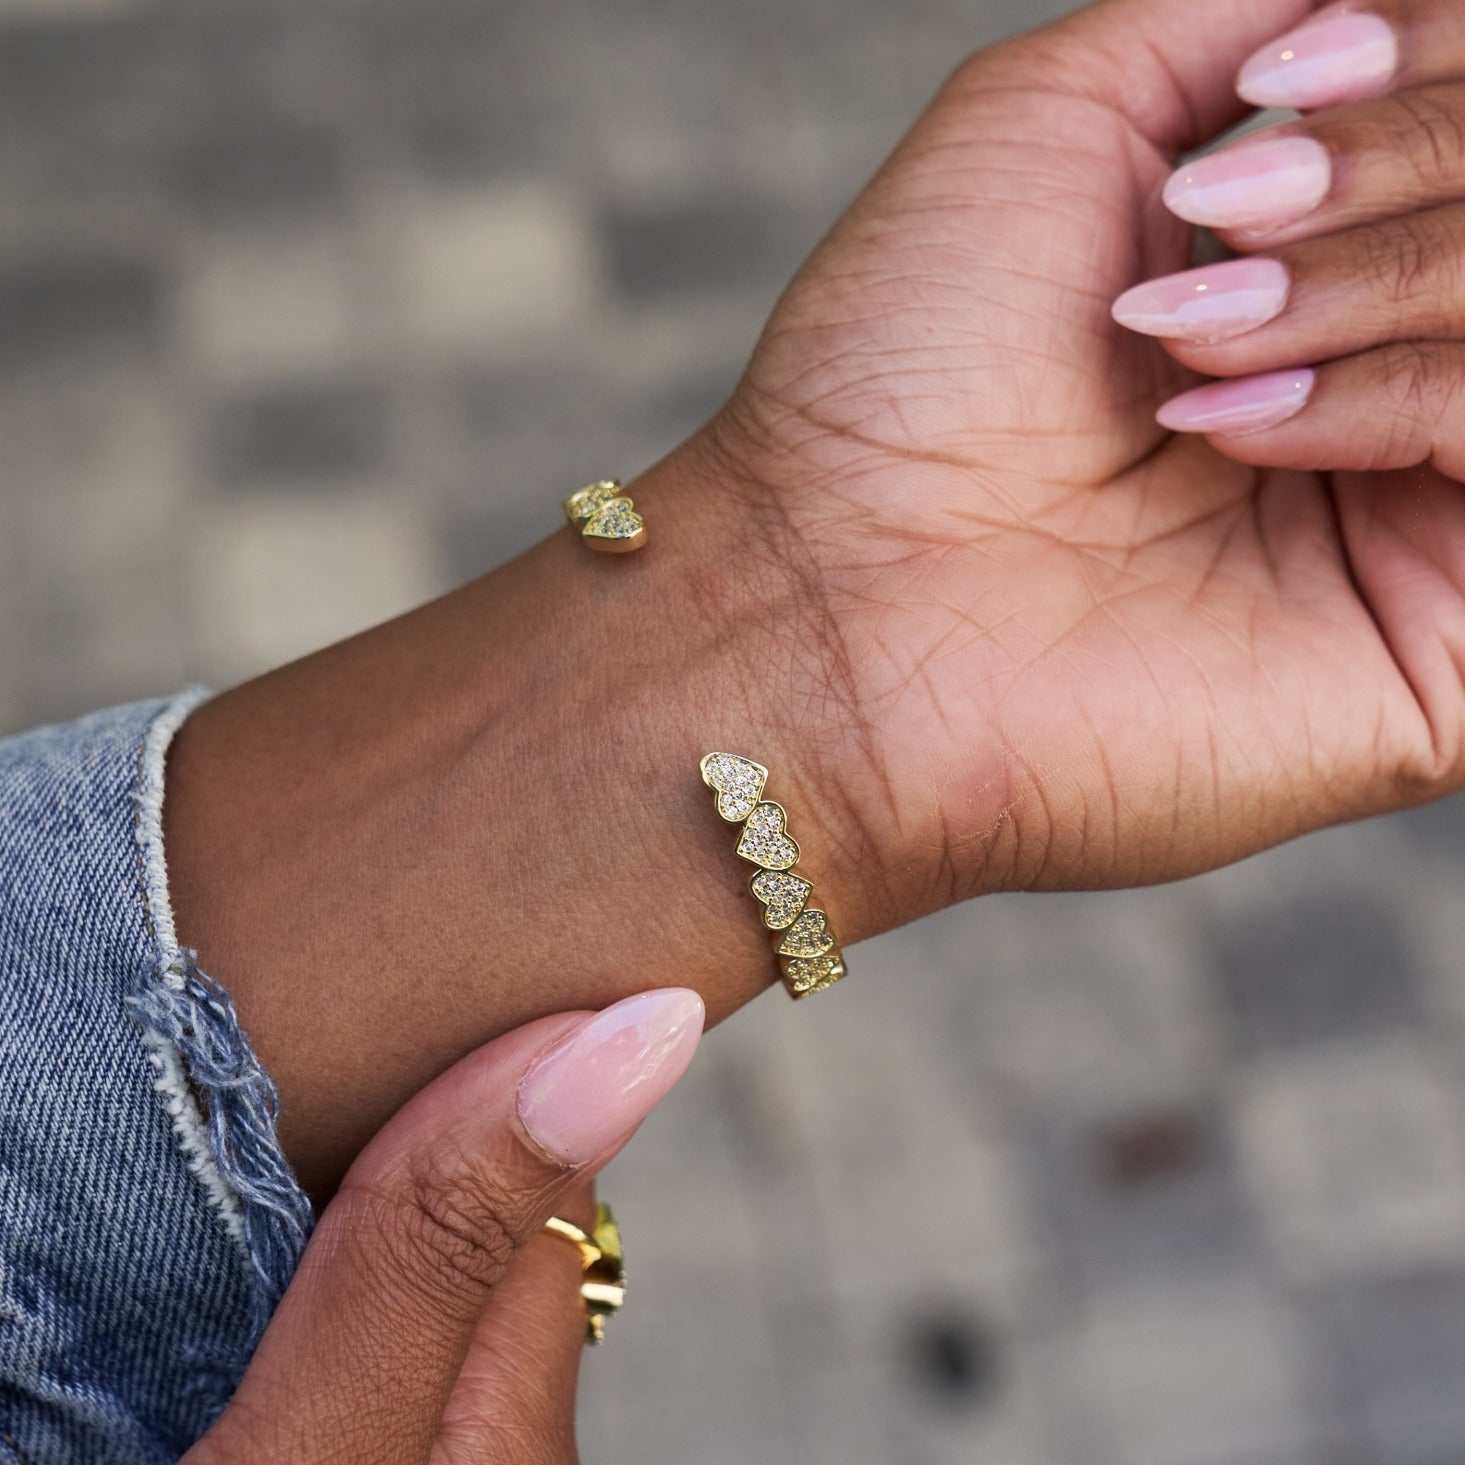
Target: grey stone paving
<point>296,301</point>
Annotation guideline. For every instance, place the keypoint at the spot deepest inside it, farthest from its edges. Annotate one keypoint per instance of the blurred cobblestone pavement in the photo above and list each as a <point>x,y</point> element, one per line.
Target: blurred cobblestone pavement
<point>308,310</point>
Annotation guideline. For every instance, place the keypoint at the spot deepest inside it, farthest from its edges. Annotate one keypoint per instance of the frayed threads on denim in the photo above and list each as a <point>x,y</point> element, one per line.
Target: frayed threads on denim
<point>199,1052</point>
<point>194,1039</point>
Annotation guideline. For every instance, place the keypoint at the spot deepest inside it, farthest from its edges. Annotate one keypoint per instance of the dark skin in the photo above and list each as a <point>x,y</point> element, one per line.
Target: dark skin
<point>935,565</point>
<point>382,838</point>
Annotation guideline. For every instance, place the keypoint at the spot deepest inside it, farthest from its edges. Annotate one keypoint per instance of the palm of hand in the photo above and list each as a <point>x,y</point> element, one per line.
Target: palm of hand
<point>1086,652</point>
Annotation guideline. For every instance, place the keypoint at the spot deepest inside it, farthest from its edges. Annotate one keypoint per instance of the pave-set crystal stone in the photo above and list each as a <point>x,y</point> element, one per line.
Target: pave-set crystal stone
<point>765,839</point>
<point>605,516</point>
<point>585,501</point>
<point>806,975</point>
<point>738,783</point>
<point>808,936</point>
<point>782,894</point>
<point>807,950</point>
<point>615,519</point>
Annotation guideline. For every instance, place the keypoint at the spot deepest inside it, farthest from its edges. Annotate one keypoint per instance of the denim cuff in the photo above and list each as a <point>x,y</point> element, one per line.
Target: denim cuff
<point>223,1105</point>
<point>148,1219</point>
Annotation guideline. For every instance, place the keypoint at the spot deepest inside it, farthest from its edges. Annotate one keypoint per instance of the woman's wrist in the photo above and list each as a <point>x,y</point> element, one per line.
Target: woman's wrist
<point>488,809</point>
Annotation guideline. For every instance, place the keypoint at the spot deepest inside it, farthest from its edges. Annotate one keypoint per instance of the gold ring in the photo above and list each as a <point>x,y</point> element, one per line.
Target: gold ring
<point>603,1264</point>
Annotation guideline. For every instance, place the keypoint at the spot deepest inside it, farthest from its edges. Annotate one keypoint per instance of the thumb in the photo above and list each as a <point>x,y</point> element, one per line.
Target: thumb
<point>367,1343</point>
<point>1168,65</point>
<point>519,1380</point>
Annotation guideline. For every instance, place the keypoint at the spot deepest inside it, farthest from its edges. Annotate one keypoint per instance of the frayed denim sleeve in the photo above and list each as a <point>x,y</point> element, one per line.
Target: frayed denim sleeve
<point>148,1219</point>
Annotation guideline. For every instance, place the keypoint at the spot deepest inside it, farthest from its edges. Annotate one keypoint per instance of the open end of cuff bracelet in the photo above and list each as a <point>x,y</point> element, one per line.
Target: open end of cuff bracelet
<point>805,945</point>
<point>606,517</point>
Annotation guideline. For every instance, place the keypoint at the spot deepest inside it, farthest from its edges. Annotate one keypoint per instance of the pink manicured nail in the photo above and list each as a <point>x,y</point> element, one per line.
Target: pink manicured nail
<point>1212,304</point>
<point>592,1089</point>
<point>1251,404</point>
<point>1253,185</point>
<point>1335,58</point>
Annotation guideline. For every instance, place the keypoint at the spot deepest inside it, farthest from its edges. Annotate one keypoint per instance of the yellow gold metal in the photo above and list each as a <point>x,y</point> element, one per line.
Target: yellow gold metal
<point>805,975</point>
<point>765,839</point>
<point>614,528</point>
<point>606,517</point>
<point>808,936</point>
<point>588,1250</point>
<point>584,501</point>
<point>603,1263</point>
<point>807,950</point>
<point>738,783</point>
<point>782,894</point>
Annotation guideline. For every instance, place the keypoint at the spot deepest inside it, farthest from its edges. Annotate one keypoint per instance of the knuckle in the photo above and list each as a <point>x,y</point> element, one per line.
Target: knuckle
<point>1434,135</point>
<point>1410,369</point>
<point>461,1216</point>
<point>1414,272</point>
<point>1400,260</point>
<point>1414,384</point>
<point>442,1231</point>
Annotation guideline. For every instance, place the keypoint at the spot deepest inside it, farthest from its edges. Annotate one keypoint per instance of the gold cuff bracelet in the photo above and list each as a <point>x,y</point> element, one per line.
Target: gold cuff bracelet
<point>808,953</point>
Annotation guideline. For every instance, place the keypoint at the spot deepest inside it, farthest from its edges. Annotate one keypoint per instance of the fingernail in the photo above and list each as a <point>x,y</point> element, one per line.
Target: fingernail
<point>1253,185</point>
<point>591,1090</point>
<point>1335,58</point>
<point>1251,404</point>
<point>1212,304</point>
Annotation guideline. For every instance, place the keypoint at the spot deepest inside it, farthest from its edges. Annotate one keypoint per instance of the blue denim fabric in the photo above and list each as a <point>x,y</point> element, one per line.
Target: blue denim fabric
<point>148,1221</point>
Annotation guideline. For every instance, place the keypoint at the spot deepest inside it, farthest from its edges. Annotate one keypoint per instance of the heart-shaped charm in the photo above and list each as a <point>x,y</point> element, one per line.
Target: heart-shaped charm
<point>765,839</point>
<point>808,936</point>
<point>584,501</point>
<point>737,782</point>
<point>806,975</point>
<point>615,527</point>
<point>782,894</point>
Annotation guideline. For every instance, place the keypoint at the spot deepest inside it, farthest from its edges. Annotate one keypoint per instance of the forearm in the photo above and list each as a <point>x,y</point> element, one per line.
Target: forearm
<point>488,809</point>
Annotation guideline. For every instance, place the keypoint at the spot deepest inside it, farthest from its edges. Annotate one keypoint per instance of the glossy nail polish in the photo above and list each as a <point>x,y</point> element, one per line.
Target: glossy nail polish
<point>1332,59</point>
<point>1249,404</point>
<point>595,1086</point>
<point>1255,185</point>
<point>1211,304</point>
